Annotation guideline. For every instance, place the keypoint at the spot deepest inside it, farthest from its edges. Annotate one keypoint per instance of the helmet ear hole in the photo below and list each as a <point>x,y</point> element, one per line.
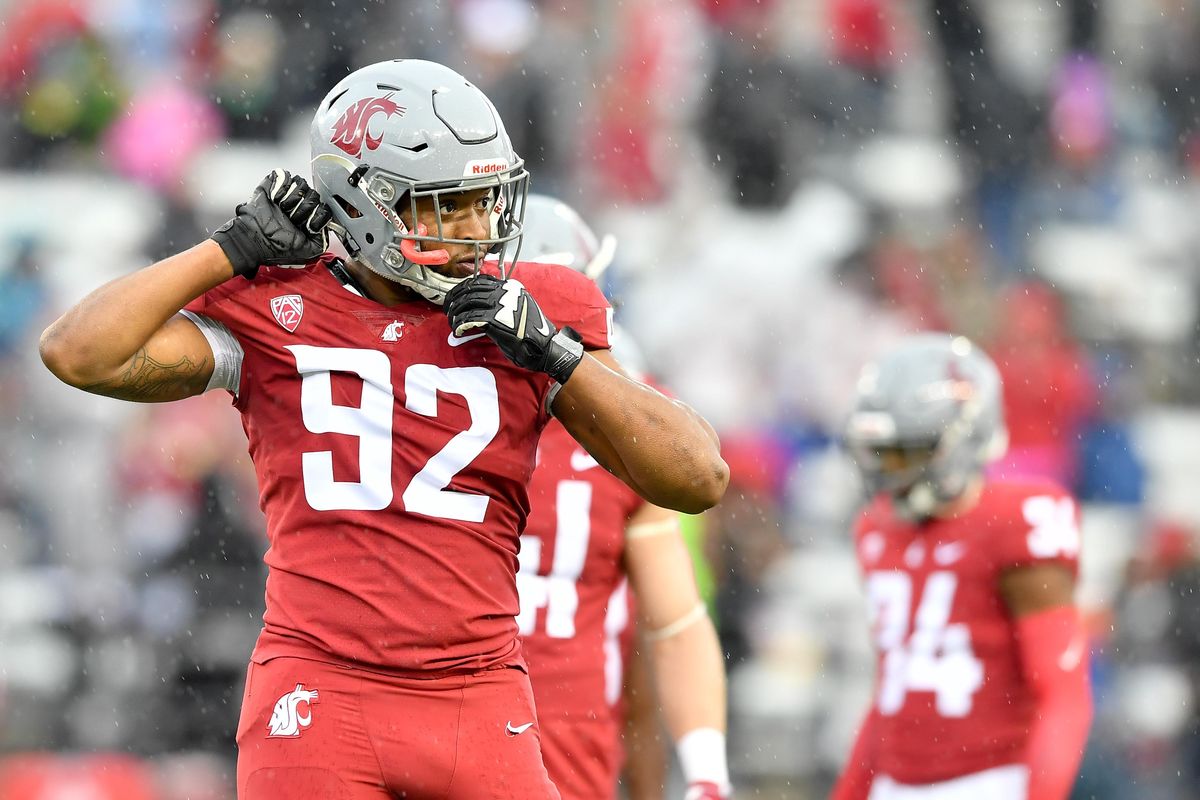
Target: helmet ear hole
<point>351,211</point>
<point>370,237</point>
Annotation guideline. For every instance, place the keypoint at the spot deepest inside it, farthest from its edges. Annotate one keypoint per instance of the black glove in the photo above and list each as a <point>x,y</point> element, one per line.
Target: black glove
<point>509,315</point>
<point>283,224</point>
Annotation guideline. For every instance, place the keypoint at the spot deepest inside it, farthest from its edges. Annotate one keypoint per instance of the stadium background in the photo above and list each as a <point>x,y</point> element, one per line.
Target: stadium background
<point>793,184</point>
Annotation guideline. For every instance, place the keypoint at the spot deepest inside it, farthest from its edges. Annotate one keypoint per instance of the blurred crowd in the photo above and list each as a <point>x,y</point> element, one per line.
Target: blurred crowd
<point>792,184</point>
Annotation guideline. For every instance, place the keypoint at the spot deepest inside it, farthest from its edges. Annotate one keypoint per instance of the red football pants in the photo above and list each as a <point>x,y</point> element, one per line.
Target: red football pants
<point>314,730</point>
<point>583,757</point>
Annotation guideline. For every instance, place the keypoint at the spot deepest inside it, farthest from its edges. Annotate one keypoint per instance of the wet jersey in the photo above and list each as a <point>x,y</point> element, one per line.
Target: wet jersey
<point>572,584</point>
<point>950,697</point>
<point>392,461</point>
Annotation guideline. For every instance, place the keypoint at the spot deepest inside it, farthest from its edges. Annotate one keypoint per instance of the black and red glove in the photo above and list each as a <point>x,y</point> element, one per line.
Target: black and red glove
<point>508,314</point>
<point>282,224</point>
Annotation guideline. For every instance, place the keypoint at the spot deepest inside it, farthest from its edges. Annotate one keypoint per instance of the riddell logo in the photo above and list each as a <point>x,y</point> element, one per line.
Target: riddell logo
<point>484,167</point>
<point>351,131</point>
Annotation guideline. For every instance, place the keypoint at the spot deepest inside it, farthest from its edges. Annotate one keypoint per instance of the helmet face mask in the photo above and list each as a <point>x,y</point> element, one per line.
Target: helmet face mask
<point>927,419</point>
<point>403,134</point>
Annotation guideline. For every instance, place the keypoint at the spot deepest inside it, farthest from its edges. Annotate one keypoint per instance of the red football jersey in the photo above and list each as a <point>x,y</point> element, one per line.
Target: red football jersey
<point>392,461</point>
<point>950,696</point>
<point>572,581</point>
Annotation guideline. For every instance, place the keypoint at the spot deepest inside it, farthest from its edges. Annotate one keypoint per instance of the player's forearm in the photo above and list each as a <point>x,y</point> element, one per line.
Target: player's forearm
<point>1054,660</point>
<point>668,453</point>
<point>646,765</point>
<point>690,680</point>
<point>1056,742</point>
<point>689,675</point>
<point>100,333</point>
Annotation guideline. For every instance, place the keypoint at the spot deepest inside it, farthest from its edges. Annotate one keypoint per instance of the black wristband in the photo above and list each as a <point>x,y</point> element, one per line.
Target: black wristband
<point>237,248</point>
<point>563,355</point>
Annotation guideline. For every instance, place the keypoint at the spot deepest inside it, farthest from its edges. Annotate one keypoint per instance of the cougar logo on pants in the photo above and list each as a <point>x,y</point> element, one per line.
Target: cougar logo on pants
<point>286,719</point>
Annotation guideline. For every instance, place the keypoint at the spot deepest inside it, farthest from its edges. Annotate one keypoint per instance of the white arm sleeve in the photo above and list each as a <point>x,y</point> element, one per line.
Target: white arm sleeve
<point>227,353</point>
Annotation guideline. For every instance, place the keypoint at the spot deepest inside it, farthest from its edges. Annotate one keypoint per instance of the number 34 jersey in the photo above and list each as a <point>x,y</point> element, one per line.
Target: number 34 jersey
<point>950,698</point>
<point>392,461</point>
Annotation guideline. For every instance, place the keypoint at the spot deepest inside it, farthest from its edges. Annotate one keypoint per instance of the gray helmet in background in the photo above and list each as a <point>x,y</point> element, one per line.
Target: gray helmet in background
<point>927,418</point>
<point>398,131</point>
<point>555,233</point>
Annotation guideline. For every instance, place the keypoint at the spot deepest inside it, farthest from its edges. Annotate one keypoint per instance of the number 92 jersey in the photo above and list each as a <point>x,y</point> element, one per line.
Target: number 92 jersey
<point>950,698</point>
<point>392,461</point>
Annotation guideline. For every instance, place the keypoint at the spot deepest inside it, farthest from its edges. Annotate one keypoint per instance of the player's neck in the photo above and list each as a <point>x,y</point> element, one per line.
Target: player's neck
<point>963,503</point>
<point>378,288</point>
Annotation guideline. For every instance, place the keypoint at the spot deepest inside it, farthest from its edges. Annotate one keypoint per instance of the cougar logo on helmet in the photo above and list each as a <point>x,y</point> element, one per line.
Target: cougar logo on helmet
<point>350,132</point>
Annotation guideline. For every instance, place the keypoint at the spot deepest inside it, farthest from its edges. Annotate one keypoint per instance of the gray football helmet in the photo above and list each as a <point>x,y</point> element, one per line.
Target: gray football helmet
<point>927,418</point>
<point>392,133</point>
<point>555,233</point>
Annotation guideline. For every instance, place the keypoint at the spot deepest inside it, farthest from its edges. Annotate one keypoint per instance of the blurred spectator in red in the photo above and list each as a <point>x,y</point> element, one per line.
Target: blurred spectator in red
<point>907,284</point>
<point>1049,392</point>
<point>862,35</point>
<point>642,103</point>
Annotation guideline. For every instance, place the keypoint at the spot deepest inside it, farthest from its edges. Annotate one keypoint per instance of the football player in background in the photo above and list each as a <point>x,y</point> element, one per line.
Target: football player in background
<point>393,405</point>
<point>982,680</point>
<point>587,533</point>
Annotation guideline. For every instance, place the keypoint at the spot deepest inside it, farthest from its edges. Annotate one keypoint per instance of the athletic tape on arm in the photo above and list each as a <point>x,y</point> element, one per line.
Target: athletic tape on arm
<point>227,353</point>
<point>677,627</point>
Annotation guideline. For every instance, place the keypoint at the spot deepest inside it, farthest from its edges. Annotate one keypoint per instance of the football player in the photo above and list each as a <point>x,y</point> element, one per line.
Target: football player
<point>393,405</point>
<point>587,531</point>
<point>982,679</point>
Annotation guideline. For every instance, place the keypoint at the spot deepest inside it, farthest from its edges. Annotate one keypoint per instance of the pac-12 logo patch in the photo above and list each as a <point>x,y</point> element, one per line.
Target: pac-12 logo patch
<point>287,719</point>
<point>288,309</point>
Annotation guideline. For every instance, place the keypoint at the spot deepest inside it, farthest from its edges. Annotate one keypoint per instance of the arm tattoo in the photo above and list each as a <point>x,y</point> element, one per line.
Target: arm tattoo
<point>145,380</point>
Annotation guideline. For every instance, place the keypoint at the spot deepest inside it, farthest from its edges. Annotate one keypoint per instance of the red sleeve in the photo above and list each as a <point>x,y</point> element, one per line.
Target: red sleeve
<point>217,303</point>
<point>859,772</point>
<point>1044,526</point>
<point>1054,661</point>
<point>569,298</point>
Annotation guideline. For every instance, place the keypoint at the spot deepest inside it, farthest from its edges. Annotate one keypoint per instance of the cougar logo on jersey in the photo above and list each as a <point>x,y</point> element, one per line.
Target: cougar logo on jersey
<point>393,332</point>
<point>351,131</point>
<point>286,720</point>
<point>288,309</point>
